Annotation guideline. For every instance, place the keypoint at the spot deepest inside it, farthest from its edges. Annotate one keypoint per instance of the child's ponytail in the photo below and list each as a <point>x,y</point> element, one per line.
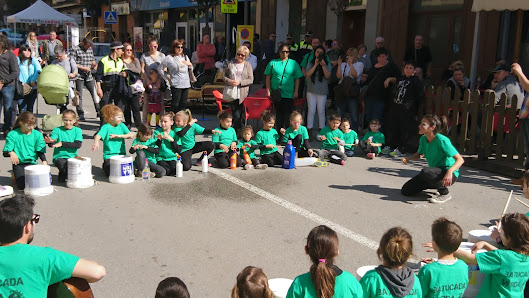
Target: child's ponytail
<point>322,247</point>
<point>440,123</point>
<point>267,116</point>
<point>25,118</point>
<point>395,247</point>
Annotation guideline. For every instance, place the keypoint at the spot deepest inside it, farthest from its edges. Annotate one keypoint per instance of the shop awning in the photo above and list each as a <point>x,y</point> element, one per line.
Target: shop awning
<point>498,5</point>
<point>140,5</point>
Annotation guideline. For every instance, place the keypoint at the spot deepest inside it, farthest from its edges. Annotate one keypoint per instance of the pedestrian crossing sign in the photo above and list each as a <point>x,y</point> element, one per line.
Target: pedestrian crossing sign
<point>228,6</point>
<point>111,17</point>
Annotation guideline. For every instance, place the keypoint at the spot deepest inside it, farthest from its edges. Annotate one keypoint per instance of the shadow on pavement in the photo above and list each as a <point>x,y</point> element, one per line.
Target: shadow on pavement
<point>387,194</point>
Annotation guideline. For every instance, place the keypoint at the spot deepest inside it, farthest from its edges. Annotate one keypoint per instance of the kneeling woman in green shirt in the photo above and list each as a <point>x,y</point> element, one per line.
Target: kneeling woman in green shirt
<point>443,161</point>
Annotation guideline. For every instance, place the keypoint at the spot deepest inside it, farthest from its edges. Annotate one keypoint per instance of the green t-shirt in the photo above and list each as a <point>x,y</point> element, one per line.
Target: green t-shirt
<point>166,149</point>
<point>151,142</point>
<point>112,147</point>
<point>25,146</point>
<point>439,153</point>
<point>267,137</point>
<point>345,285</point>
<point>249,150</point>
<point>350,138</point>
<point>441,280</point>
<point>275,68</point>
<point>507,273</point>
<point>330,142</point>
<point>291,134</point>
<point>378,138</point>
<point>28,270</point>
<point>188,140</point>
<point>226,137</point>
<point>66,135</point>
<point>374,286</point>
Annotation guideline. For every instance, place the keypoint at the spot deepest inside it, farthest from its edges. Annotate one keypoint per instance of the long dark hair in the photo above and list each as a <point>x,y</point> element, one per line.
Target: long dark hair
<point>319,69</point>
<point>21,56</point>
<point>322,248</point>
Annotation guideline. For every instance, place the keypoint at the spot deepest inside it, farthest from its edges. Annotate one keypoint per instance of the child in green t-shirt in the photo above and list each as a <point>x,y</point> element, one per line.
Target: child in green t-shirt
<point>113,134</point>
<point>24,145</point>
<point>325,279</point>
<point>507,269</point>
<point>170,146</point>
<point>251,282</point>
<point>146,146</point>
<point>225,141</point>
<point>393,278</point>
<point>299,136</point>
<point>249,145</point>
<point>448,276</point>
<point>373,140</point>
<point>267,139</point>
<point>350,137</point>
<point>65,141</point>
<point>331,136</point>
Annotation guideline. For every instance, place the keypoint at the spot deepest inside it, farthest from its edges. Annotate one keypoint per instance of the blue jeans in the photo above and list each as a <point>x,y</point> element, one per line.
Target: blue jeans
<point>7,93</point>
<point>27,102</point>
<point>375,110</point>
<point>349,153</point>
<point>350,106</point>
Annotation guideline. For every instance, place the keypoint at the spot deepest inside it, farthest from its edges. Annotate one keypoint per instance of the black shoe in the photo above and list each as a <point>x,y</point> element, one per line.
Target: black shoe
<point>81,118</point>
<point>62,178</point>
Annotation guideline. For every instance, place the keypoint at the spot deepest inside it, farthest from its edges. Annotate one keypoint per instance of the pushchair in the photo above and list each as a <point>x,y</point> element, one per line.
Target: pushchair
<point>54,87</point>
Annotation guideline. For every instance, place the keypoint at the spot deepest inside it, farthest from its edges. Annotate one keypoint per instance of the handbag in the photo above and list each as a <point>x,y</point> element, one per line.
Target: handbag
<point>192,77</point>
<point>231,93</point>
<point>275,95</point>
<point>348,87</point>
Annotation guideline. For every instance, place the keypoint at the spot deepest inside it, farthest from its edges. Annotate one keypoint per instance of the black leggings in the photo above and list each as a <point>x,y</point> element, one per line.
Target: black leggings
<point>283,111</point>
<point>297,142</point>
<point>207,146</point>
<point>178,99</point>
<point>223,160</point>
<point>139,162</point>
<point>428,178</point>
<point>106,165</point>
<point>133,104</point>
<point>62,165</point>
<point>169,166</point>
<point>272,159</point>
<point>18,172</point>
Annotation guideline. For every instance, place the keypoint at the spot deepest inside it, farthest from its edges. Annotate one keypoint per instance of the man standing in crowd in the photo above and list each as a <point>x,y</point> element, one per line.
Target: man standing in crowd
<point>305,46</point>
<point>31,269</point>
<point>108,70</point>
<point>507,84</point>
<point>379,43</point>
<point>206,54</point>
<point>420,54</point>
<point>69,66</point>
<point>220,47</point>
<point>48,47</point>
<point>270,47</point>
<point>83,55</point>
<point>294,47</point>
<point>252,59</point>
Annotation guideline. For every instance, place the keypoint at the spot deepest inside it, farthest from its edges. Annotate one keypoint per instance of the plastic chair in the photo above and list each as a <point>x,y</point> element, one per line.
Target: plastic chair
<point>254,106</point>
<point>219,101</point>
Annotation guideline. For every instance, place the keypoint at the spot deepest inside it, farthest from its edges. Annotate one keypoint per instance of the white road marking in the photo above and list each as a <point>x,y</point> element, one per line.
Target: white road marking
<point>297,209</point>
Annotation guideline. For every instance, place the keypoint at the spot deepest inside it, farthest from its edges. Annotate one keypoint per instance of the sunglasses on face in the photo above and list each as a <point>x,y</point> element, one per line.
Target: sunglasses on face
<point>285,52</point>
<point>241,55</point>
<point>153,46</point>
<point>128,50</point>
<point>36,218</point>
<point>26,50</point>
<point>179,47</point>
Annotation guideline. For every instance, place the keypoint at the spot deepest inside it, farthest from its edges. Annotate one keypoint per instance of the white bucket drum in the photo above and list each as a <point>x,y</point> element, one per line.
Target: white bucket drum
<point>38,180</point>
<point>475,277</point>
<point>481,235</point>
<point>121,169</point>
<point>79,172</point>
<point>364,269</point>
<point>280,286</point>
<point>305,161</point>
<point>5,190</point>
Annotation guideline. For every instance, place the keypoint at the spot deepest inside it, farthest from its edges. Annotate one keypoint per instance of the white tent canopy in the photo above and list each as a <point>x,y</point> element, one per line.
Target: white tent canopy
<point>498,5</point>
<point>41,13</point>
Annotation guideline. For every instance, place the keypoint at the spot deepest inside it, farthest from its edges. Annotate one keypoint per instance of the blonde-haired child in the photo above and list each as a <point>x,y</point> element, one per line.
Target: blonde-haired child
<point>298,134</point>
<point>251,282</point>
<point>146,146</point>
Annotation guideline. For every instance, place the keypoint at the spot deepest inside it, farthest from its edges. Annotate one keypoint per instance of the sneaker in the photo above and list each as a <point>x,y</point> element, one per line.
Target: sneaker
<point>371,155</point>
<point>386,150</point>
<point>397,153</point>
<point>441,199</point>
<point>81,117</point>
<point>262,166</point>
<point>153,175</point>
<point>320,163</point>
<point>248,167</point>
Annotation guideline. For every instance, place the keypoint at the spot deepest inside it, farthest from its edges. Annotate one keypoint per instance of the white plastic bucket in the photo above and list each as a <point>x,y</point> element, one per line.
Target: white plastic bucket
<point>481,235</point>
<point>38,180</point>
<point>305,161</point>
<point>121,169</point>
<point>280,286</point>
<point>6,190</point>
<point>475,277</point>
<point>364,269</point>
<point>80,173</point>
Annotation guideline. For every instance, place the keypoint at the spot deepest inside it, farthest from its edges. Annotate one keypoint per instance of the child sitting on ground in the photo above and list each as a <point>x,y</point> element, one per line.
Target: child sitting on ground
<point>251,282</point>
<point>172,287</point>
<point>448,276</point>
<point>299,136</point>
<point>146,146</point>
<point>267,139</point>
<point>154,99</point>
<point>393,278</point>
<point>331,136</point>
<point>225,141</point>
<point>250,146</point>
<point>169,145</point>
<point>350,137</point>
<point>373,140</point>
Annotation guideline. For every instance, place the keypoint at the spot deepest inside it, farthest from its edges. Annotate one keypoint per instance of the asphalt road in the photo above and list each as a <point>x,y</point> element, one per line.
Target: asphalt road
<point>206,227</point>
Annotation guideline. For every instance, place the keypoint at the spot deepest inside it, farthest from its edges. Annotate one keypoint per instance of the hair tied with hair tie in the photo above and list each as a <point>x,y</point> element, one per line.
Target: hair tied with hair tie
<point>322,260</point>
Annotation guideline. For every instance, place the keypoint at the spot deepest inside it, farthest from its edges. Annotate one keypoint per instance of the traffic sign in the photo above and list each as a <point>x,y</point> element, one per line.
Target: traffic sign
<point>111,17</point>
<point>228,6</point>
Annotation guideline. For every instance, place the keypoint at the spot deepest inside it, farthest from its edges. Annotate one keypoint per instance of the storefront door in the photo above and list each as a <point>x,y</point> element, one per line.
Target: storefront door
<point>181,31</point>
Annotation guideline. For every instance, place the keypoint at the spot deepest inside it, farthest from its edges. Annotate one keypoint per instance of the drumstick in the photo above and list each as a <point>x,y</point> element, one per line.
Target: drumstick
<point>525,204</point>
<point>504,210</point>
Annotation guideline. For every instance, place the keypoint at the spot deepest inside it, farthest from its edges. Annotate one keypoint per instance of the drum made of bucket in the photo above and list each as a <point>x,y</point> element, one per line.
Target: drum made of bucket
<point>38,180</point>
<point>475,277</point>
<point>121,169</point>
<point>481,235</point>
<point>280,286</point>
<point>364,269</point>
<point>80,173</point>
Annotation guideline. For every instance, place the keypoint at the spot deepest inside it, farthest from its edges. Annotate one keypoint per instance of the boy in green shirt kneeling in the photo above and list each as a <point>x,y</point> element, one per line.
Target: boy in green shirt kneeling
<point>331,136</point>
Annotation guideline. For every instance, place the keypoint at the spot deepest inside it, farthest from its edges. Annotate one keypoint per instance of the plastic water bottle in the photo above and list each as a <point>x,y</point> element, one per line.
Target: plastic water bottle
<point>179,167</point>
<point>233,160</point>
<point>205,162</point>
<point>146,172</point>
<point>289,156</point>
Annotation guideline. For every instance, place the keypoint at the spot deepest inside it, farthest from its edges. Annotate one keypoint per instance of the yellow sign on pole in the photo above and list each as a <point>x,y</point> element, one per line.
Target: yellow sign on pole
<point>228,6</point>
<point>244,33</point>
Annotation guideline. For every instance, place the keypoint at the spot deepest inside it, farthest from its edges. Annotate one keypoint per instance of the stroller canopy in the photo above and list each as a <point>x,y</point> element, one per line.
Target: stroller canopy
<point>53,85</point>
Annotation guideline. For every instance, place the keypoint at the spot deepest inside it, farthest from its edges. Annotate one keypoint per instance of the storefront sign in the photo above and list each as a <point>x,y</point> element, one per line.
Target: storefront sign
<point>244,33</point>
<point>121,8</point>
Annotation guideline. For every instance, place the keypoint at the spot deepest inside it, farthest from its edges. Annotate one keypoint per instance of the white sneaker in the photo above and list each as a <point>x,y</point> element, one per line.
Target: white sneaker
<point>248,167</point>
<point>397,153</point>
<point>386,150</point>
<point>441,199</point>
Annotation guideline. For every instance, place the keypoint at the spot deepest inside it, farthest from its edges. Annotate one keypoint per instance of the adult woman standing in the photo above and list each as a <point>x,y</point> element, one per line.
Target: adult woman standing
<point>350,68</point>
<point>239,74</point>
<point>33,44</point>
<point>29,72</point>
<point>132,104</point>
<point>8,73</point>
<point>178,67</point>
<point>150,60</point>
<point>362,57</point>
<point>318,71</point>
<point>283,73</point>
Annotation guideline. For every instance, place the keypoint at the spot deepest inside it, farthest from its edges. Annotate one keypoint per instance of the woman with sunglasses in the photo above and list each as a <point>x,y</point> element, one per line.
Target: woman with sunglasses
<point>132,104</point>
<point>238,74</point>
<point>33,44</point>
<point>178,67</point>
<point>283,73</point>
<point>151,60</point>
<point>29,72</point>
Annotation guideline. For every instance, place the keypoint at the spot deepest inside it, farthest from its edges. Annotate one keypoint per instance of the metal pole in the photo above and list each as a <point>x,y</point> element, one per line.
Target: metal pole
<point>246,12</point>
<point>475,49</point>
<point>228,36</point>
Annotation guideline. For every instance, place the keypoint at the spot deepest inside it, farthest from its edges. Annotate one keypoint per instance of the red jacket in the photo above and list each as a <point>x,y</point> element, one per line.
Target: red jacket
<point>206,54</point>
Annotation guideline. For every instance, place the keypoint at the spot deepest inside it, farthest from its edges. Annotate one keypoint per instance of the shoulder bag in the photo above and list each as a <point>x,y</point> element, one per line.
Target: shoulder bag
<point>348,87</point>
<point>275,95</point>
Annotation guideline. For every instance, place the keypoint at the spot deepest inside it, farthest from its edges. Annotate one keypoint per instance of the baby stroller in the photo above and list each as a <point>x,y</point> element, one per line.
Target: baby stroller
<point>54,87</point>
